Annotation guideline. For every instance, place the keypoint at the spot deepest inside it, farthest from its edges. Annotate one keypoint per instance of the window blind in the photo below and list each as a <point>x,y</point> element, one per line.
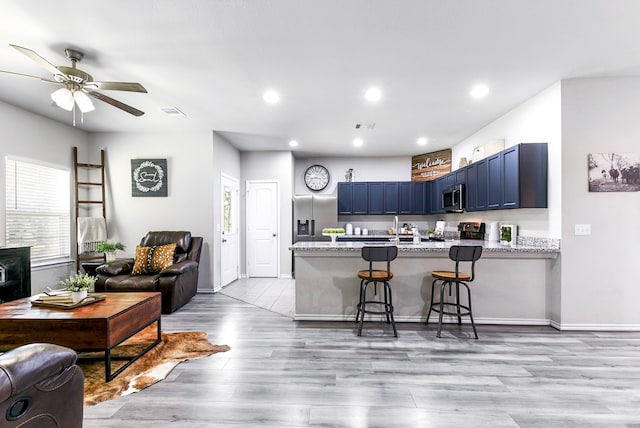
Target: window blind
<point>37,209</point>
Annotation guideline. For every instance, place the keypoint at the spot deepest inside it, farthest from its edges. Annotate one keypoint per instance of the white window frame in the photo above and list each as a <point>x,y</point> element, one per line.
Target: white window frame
<point>57,248</point>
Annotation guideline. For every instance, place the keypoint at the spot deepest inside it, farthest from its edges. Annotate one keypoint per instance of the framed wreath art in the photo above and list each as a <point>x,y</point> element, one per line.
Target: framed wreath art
<point>149,177</point>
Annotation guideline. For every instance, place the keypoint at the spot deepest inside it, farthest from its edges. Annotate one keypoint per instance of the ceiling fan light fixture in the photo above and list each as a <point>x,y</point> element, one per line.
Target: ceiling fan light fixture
<point>83,101</point>
<point>63,99</point>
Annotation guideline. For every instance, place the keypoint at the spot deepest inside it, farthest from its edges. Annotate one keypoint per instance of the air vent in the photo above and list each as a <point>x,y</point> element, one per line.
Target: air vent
<point>368,126</point>
<point>172,111</point>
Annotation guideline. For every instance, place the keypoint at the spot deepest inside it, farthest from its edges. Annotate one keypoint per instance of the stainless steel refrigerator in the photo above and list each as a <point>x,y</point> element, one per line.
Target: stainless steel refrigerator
<point>311,214</point>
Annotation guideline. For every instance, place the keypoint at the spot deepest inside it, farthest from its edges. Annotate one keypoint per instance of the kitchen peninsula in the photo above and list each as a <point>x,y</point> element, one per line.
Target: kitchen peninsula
<point>513,284</point>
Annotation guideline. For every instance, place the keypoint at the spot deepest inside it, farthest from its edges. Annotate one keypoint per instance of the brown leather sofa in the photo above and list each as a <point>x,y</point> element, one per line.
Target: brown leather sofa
<point>41,387</point>
<point>178,283</point>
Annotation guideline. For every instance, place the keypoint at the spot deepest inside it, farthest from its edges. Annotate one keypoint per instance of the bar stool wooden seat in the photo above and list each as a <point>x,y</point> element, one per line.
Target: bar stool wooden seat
<point>371,275</point>
<point>457,253</point>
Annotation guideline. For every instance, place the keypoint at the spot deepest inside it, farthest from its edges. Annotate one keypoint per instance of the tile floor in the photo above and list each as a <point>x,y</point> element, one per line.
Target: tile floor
<point>274,294</point>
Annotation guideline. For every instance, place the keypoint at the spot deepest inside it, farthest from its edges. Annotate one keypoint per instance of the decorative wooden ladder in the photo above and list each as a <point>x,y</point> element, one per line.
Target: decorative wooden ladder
<point>86,182</point>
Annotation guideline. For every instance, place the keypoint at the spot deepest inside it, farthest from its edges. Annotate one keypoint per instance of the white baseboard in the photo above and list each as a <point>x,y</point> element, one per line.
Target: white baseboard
<point>421,319</point>
<point>285,276</point>
<point>595,327</point>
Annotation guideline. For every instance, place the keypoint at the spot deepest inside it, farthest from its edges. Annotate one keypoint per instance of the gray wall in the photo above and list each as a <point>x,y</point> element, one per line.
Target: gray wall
<point>599,271</point>
<point>189,204</point>
<point>33,137</point>
<point>271,166</point>
<point>226,160</point>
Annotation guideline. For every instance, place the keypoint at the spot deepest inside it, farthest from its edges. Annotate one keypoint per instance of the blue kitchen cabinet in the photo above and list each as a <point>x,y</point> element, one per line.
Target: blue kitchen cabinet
<point>517,177</point>
<point>494,182</point>
<point>405,197</point>
<point>359,198</point>
<point>437,186</point>
<point>510,177</point>
<point>391,189</point>
<point>345,199</point>
<point>476,186</point>
<point>375,194</point>
<point>421,202</point>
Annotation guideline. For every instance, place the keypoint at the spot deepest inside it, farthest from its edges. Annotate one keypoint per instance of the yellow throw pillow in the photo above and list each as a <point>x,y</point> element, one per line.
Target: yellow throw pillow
<point>153,259</point>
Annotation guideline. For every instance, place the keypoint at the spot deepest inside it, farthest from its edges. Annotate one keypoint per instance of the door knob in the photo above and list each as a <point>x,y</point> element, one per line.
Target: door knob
<point>274,235</point>
<point>224,240</point>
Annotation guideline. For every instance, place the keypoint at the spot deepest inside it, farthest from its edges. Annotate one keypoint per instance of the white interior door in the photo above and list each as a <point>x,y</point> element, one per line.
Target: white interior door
<point>229,249</point>
<point>262,229</point>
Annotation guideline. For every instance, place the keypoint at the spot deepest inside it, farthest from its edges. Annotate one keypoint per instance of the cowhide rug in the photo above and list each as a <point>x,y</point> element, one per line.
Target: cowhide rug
<point>154,366</point>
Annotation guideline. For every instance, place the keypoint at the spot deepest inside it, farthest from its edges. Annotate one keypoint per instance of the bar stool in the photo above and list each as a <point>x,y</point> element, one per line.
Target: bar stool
<point>371,275</point>
<point>457,253</point>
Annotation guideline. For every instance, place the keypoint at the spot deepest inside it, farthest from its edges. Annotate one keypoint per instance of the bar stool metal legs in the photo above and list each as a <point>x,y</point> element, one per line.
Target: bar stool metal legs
<point>386,305</point>
<point>451,279</point>
<point>440,305</point>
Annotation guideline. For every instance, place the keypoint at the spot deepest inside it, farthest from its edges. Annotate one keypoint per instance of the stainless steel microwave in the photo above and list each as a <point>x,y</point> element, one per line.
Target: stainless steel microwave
<point>453,199</point>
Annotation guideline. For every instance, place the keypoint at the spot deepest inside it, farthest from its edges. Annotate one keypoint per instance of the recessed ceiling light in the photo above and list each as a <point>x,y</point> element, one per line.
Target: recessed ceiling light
<point>271,96</point>
<point>479,91</point>
<point>422,141</point>
<point>373,95</point>
<point>358,142</point>
<point>293,143</point>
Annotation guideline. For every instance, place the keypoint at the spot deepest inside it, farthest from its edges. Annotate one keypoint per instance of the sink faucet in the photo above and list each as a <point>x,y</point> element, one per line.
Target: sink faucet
<point>395,228</point>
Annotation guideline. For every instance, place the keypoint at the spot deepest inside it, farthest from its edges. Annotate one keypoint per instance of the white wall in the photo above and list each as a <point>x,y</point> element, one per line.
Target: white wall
<point>538,120</point>
<point>599,271</point>
<point>189,204</point>
<point>276,166</point>
<point>34,137</point>
<point>226,160</point>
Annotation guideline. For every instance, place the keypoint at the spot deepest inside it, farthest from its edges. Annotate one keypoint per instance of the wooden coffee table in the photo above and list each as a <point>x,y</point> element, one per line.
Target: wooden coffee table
<point>98,327</point>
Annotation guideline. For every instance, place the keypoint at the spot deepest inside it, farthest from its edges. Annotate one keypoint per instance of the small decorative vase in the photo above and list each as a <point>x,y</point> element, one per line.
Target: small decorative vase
<point>77,296</point>
<point>110,256</point>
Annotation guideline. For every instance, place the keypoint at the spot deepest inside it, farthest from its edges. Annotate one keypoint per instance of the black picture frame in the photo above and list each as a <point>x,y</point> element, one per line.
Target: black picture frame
<point>149,177</point>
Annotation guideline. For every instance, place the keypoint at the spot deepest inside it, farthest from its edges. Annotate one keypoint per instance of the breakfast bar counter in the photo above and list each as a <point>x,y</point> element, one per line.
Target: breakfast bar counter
<point>513,284</point>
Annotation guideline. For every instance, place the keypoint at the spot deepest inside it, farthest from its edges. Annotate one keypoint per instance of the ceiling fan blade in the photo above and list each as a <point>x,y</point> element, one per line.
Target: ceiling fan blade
<point>118,86</point>
<point>116,103</point>
<point>37,58</point>
<point>29,76</point>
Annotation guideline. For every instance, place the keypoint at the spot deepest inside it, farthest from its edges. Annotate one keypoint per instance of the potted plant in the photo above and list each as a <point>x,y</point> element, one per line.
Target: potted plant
<point>79,285</point>
<point>109,249</point>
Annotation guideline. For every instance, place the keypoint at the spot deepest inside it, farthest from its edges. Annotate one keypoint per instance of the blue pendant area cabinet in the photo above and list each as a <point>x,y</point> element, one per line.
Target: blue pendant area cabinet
<point>384,198</point>
<point>513,178</point>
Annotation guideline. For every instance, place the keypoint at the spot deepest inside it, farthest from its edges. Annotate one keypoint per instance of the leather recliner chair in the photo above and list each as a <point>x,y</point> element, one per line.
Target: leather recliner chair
<point>178,283</point>
<point>41,387</point>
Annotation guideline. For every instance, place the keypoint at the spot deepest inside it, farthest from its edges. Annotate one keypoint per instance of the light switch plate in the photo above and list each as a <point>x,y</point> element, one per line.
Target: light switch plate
<point>583,229</point>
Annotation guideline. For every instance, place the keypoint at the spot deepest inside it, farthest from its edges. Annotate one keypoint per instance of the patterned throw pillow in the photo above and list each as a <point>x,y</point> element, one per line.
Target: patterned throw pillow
<point>153,259</point>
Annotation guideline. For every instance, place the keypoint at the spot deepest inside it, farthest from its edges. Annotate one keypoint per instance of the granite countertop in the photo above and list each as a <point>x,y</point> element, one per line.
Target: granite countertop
<point>527,245</point>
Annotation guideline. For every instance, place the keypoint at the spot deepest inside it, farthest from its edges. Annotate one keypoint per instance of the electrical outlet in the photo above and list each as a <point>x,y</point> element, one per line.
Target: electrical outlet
<point>583,229</point>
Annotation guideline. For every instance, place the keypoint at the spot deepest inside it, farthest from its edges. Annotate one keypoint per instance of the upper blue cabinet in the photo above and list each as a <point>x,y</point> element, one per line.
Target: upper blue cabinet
<point>513,178</point>
<point>384,197</point>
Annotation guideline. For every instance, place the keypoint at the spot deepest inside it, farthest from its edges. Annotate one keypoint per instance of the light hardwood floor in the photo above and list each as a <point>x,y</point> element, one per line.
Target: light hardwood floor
<point>282,373</point>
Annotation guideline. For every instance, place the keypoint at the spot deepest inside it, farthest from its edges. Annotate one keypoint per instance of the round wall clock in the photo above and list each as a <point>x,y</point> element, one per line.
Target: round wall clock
<point>316,177</point>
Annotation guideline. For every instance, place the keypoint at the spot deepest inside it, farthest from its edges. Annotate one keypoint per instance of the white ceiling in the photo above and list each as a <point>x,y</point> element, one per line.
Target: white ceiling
<point>213,59</point>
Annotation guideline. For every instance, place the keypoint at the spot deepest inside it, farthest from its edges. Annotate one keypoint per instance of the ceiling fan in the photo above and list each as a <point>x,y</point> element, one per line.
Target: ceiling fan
<point>78,85</point>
